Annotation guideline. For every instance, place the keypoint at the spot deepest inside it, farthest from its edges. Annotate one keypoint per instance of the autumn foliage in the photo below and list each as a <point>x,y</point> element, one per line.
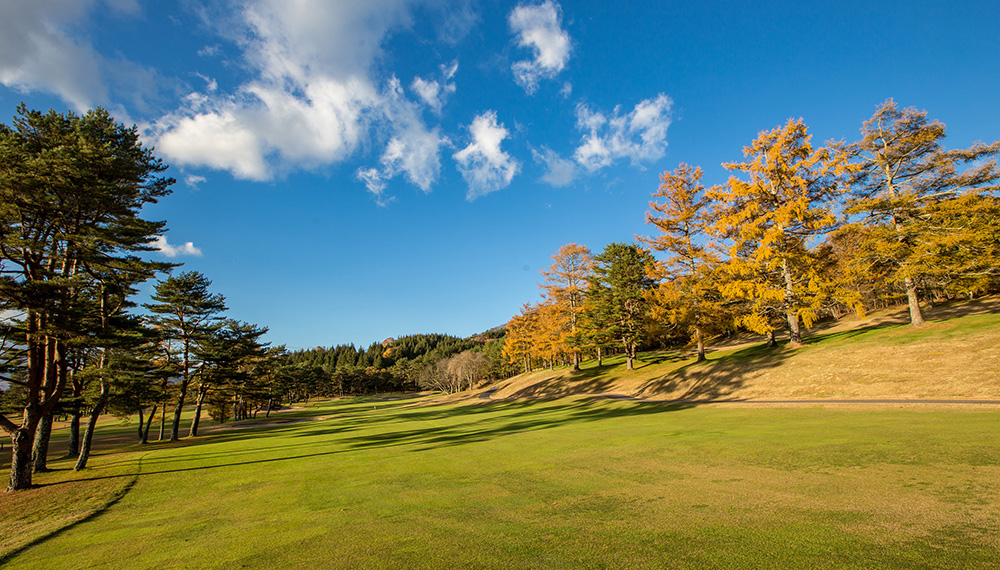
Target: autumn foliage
<point>797,233</point>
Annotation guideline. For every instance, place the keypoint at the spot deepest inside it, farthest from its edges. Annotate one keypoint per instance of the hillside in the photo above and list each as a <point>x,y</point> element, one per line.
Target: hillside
<point>955,356</point>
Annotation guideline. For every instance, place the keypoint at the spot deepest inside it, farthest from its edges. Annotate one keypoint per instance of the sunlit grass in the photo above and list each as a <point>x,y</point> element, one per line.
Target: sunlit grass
<point>561,484</point>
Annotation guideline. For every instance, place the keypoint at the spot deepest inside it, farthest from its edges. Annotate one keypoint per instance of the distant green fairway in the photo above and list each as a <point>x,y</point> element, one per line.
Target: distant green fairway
<point>560,484</point>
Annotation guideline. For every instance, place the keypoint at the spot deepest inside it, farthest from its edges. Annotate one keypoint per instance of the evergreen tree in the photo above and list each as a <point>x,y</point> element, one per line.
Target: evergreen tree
<point>620,286</point>
<point>71,191</point>
<point>185,313</point>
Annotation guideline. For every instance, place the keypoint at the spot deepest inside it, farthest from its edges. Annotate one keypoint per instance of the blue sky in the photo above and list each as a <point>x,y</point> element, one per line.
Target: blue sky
<point>349,171</point>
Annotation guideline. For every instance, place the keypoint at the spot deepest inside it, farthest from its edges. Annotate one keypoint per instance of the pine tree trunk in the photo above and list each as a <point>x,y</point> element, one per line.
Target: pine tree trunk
<point>163,421</point>
<point>74,431</point>
<point>576,361</point>
<point>149,423</point>
<point>88,434</point>
<point>22,441</point>
<point>175,429</point>
<point>202,391</point>
<point>916,317</point>
<point>40,448</point>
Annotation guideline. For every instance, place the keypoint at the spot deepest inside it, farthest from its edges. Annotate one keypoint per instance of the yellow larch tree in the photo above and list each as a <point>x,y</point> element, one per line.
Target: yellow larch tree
<point>770,219</point>
<point>904,178</point>
<point>687,295</point>
<point>566,285</point>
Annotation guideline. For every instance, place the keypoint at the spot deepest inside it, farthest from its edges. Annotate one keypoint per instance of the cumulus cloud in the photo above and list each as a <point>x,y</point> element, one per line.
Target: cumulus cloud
<point>559,171</point>
<point>312,100</point>
<point>41,48</point>
<point>484,166</point>
<point>175,250</point>
<point>639,135</point>
<point>44,46</point>
<point>539,28</point>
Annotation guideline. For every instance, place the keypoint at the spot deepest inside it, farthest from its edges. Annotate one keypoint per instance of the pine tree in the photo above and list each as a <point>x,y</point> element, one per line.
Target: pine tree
<point>71,192</point>
<point>185,313</point>
<point>619,287</point>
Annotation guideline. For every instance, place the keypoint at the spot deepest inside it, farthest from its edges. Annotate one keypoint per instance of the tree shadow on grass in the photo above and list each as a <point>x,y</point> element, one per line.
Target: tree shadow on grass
<point>715,380</point>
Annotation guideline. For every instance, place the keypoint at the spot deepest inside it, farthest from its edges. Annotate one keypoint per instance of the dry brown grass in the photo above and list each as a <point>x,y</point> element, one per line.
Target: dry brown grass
<point>955,356</point>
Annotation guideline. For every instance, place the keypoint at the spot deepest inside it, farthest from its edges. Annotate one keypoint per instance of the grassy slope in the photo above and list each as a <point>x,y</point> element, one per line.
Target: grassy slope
<point>952,357</point>
<point>561,484</point>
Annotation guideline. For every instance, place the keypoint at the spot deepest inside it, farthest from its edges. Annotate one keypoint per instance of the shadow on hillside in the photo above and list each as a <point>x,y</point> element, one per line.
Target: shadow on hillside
<point>717,379</point>
<point>591,379</point>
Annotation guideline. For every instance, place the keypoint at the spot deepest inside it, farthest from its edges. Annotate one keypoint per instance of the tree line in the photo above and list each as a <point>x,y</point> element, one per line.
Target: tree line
<point>795,234</point>
<point>422,361</point>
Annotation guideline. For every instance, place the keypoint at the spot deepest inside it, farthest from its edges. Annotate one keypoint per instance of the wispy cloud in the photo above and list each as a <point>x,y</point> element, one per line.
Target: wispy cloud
<point>559,171</point>
<point>193,180</point>
<point>484,166</point>
<point>433,92</point>
<point>175,250</point>
<point>539,28</point>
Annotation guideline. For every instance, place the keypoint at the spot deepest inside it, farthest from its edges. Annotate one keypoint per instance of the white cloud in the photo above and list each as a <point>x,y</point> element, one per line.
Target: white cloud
<point>193,180</point>
<point>640,135</point>
<point>312,100</point>
<point>174,250</point>
<point>559,171</point>
<point>40,48</point>
<point>413,149</point>
<point>484,166</point>
<point>435,93</point>
<point>44,46</point>
<point>539,28</point>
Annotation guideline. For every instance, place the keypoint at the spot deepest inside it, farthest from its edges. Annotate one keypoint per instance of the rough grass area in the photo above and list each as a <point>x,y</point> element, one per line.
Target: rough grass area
<point>572,483</point>
<point>956,355</point>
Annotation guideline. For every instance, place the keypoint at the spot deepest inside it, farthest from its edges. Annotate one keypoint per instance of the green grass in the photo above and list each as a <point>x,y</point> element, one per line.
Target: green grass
<point>568,483</point>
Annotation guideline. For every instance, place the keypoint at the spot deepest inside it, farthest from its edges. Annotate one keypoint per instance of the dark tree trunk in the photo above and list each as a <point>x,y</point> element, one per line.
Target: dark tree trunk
<point>40,449</point>
<point>88,434</point>
<point>20,456</point>
<point>163,421</point>
<point>149,422</point>
<point>176,428</point>
<point>74,431</point>
<point>202,391</point>
<point>701,345</point>
<point>771,341</point>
